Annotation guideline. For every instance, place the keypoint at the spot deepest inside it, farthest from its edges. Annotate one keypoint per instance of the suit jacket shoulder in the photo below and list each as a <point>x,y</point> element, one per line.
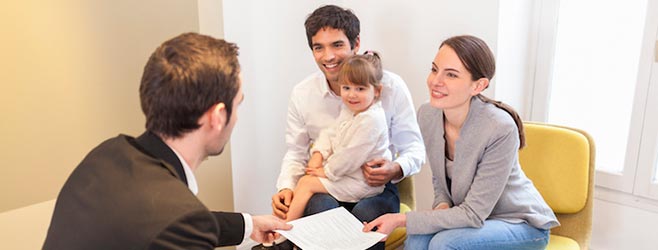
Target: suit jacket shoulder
<point>121,197</point>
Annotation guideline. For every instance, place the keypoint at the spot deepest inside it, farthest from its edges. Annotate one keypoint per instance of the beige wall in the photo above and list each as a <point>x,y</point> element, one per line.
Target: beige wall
<point>70,72</point>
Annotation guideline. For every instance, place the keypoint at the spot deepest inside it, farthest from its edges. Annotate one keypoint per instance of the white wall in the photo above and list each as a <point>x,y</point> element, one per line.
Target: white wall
<point>275,56</point>
<point>517,53</point>
<point>622,221</point>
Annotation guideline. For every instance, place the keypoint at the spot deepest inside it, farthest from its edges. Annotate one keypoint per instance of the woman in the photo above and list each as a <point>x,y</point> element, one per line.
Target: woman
<point>482,198</point>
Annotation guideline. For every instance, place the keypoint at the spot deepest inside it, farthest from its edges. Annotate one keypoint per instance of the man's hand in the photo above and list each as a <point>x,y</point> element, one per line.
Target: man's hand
<point>380,171</point>
<point>386,223</point>
<point>264,226</point>
<point>281,202</point>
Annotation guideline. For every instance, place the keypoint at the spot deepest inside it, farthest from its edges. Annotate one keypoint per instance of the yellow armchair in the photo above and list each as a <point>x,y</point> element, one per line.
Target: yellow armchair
<point>407,203</point>
<point>560,162</point>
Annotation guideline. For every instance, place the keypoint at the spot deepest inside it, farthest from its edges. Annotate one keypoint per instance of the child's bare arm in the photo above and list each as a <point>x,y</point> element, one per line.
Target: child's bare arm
<point>315,161</point>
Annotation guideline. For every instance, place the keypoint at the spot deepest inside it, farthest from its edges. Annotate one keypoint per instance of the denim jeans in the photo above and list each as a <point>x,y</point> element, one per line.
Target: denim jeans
<point>494,234</point>
<point>367,209</point>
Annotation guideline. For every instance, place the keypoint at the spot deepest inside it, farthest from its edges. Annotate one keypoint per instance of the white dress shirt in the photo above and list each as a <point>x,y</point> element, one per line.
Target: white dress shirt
<point>193,186</point>
<point>313,107</point>
<point>349,142</point>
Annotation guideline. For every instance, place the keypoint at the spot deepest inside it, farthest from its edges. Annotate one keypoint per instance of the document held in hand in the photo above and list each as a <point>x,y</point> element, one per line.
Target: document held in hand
<point>331,229</point>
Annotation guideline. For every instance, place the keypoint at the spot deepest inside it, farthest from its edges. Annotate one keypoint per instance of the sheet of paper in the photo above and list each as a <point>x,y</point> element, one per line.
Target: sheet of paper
<point>332,229</point>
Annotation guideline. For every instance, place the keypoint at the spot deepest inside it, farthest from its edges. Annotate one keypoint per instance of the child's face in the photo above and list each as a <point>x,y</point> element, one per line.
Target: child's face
<point>358,98</point>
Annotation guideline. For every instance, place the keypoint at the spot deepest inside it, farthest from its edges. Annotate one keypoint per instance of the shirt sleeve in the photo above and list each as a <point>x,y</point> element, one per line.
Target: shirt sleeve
<point>405,133</point>
<point>297,144</point>
<point>248,226</point>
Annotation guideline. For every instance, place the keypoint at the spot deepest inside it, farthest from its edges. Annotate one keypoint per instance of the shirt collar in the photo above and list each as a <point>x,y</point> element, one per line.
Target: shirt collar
<point>191,180</point>
<point>324,88</point>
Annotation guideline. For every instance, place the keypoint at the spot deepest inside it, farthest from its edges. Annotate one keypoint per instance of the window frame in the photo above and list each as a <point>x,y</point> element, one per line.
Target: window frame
<point>641,159</point>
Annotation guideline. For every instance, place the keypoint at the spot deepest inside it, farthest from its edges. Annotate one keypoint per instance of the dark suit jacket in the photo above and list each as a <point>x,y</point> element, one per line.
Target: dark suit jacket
<point>131,193</point>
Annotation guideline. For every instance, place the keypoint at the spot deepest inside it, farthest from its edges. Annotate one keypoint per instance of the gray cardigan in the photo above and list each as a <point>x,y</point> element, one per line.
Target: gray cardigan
<point>487,183</point>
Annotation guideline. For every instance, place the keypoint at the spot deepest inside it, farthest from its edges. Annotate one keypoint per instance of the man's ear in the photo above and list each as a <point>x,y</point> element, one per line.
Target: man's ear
<point>357,44</point>
<point>217,116</point>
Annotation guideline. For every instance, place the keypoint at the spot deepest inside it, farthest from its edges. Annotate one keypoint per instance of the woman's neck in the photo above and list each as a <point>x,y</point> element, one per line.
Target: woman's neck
<point>455,118</point>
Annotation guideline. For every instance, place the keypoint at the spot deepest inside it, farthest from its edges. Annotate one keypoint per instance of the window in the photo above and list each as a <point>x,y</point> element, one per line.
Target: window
<point>599,74</point>
<point>594,56</point>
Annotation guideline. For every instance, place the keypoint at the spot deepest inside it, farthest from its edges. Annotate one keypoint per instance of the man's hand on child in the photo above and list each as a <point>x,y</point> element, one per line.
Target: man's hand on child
<point>380,171</point>
<point>281,202</point>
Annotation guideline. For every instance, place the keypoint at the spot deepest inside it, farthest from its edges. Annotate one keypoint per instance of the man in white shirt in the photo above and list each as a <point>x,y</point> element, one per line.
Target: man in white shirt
<point>333,35</point>
<point>140,193</point>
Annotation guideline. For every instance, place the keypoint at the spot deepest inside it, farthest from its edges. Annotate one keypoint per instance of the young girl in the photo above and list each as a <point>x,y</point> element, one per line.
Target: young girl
<point>359,134</point>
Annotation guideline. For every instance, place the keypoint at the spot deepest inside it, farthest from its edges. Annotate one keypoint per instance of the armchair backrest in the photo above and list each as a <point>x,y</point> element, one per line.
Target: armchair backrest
<point>560,162</point>
<point>407,192</point>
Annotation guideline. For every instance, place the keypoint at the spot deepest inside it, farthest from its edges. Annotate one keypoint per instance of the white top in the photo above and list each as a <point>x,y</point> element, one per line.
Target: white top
<point>352,140</point>
<point>189,175</point>
<point>313,107</point>
<point>193,186</point>
<point>449,168</point>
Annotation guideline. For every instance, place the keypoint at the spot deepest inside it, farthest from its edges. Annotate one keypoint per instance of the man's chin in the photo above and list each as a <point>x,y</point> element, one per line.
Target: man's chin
<point>215,153</point>
<point>332,77</point>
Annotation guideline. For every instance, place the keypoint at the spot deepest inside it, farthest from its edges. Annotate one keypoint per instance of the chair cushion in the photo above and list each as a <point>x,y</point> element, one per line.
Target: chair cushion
<point>550,154</point>
<point>404,208</point>
<point>556,242</point>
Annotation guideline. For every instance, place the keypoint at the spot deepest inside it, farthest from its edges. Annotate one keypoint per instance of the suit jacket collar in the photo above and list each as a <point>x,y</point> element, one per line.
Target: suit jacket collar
<point>154,146</point>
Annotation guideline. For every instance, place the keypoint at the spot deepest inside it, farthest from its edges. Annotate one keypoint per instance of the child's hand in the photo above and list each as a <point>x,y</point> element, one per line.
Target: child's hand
<point>317,172</point>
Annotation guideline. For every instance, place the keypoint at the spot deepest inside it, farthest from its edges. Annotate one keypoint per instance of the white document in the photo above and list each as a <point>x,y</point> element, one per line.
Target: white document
<point>332,229</point>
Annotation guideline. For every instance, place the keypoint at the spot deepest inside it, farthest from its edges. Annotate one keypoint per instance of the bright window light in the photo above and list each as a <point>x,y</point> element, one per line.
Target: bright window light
<point>598,47</point>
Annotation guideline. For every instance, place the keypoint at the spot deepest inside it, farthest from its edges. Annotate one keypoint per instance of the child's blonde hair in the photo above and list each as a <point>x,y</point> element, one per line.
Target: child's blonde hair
<point>362,70</point>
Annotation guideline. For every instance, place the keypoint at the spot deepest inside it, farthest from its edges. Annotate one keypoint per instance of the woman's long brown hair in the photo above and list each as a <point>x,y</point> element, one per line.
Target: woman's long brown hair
<point>479,61</point>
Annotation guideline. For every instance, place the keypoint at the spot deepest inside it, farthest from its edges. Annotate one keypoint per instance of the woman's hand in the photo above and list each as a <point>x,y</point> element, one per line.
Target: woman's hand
<point>386,223</point>
<point>442,205</point>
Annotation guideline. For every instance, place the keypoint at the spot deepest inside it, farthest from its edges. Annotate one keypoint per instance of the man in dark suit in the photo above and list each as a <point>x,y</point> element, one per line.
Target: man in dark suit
<point>139,193</point>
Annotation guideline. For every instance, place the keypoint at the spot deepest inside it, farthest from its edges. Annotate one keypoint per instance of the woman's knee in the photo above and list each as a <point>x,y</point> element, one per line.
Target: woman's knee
<point>417,241</point>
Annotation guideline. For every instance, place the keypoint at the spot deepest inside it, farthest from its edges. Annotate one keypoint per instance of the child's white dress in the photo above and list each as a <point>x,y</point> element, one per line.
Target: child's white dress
<point>346,146</point>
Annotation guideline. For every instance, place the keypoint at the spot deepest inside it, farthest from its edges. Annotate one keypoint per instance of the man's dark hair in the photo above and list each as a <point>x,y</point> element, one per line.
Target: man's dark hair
<point>183,78</point>
<point>335,17</point>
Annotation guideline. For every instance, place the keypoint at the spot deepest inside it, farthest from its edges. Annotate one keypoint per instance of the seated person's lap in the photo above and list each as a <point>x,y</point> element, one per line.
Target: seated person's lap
<point>494,234</point>
<point>365,210</point>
